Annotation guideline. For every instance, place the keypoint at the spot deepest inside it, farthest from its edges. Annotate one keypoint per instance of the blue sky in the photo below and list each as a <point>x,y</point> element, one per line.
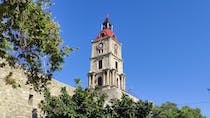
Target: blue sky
<point>166,46</point>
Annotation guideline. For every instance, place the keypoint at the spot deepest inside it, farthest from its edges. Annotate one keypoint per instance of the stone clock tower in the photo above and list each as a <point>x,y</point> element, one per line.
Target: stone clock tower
<point>106,64</point>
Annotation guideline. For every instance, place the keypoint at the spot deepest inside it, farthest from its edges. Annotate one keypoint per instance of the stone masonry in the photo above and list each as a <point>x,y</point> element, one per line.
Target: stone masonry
<point>106,71</point>
<point>106,64</point>
<point>22,102</point>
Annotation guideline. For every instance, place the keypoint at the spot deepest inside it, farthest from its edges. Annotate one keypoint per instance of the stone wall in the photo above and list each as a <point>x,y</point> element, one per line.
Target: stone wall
<point>22,102</point>
<point>115,92</point>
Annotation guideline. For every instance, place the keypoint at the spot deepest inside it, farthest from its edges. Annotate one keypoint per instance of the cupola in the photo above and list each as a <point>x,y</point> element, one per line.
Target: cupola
<point>106,30</point>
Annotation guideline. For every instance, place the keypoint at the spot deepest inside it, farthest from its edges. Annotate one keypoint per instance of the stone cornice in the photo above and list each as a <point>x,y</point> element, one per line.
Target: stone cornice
<point>107,54</point>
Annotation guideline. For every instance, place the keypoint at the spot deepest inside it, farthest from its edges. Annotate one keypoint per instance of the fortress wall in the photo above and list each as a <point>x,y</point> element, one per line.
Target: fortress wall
<point>22,102</point>
<point>115,92</point>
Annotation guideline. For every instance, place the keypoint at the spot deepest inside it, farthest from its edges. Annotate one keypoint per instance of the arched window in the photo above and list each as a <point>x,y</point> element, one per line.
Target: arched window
<point>100,81</point>
<point>100,64</point>
<point>116,65</point>
<point>102,34</point>
<point>120,82</point>
<point>30,99</point>
<point>91,80</point>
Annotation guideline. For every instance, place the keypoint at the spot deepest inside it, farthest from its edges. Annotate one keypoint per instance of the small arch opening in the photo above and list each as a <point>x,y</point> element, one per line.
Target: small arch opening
<point>117,82</point>
<point>100,64</point>
<point>102,34</point>
<point>100,81</point>
<point>30,99</point>
<point>91,80</point>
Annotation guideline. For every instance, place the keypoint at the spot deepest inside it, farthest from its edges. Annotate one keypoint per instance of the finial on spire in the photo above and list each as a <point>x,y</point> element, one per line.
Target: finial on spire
<point>107,15</point>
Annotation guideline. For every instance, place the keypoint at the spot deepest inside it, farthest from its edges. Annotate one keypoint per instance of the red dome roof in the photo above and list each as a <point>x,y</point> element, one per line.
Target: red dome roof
<point>105,33</point>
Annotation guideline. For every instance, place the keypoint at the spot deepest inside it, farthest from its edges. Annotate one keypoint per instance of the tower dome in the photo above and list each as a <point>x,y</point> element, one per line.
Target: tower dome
<point>106,30</point>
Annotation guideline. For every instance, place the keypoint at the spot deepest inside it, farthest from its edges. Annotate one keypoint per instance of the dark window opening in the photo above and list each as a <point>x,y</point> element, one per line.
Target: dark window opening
<point>34,113</point>
<point>102,34</point>
<point>100,64</point>
<point>30,99</point>
<point>91,79</point>
<point>100,81</point>
<point>116,65</point>
<point>120,82</point>
<point>100,51</point>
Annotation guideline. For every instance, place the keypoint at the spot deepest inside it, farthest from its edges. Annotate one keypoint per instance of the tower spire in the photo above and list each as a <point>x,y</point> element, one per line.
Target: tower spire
<point>107,24</point>
<point>106,29</point>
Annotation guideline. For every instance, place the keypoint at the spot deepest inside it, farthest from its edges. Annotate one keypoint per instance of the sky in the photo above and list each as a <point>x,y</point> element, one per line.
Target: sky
<point>165,46</point>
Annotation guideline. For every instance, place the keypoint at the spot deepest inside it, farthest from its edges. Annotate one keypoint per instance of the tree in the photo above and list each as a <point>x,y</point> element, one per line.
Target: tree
<point>91,104</point>
<point>28,35</point>
<point>127,108</point>
<point>187,112</point>
<point>166,110</point>
<point>83,104</point>
<point>170,110</point>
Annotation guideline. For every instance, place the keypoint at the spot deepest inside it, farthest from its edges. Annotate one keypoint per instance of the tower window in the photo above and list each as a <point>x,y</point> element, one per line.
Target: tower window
<point>116,65</point>
<point>100,51</point>
<point>102,34</point>
<point>91,79</point>
<point>120,82</point>
<point>100,81</point>
<point>30,99</point>
<point>34,113</point>
<point>100,64</point>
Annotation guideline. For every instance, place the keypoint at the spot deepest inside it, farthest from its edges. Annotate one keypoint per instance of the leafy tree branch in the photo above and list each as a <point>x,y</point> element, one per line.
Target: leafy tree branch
<point>28,36</point>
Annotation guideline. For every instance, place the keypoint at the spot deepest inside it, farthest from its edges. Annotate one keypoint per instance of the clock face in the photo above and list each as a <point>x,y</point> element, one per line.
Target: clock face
<point>100,45</point>
<point>115,46</point>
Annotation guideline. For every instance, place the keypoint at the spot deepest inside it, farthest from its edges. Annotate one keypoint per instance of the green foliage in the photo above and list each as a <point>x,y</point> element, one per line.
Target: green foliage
<point>58,107</point>
<point>187,112</point>
<point>28,35</point>
<point>10,80</point>
<point>91,104</point>
<point>170,110</point>
<point>83,104</point>
<point>127,108</point>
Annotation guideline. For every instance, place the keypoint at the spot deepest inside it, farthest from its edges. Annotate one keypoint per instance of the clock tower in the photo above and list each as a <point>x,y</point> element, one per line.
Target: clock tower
<point>106,64</point>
